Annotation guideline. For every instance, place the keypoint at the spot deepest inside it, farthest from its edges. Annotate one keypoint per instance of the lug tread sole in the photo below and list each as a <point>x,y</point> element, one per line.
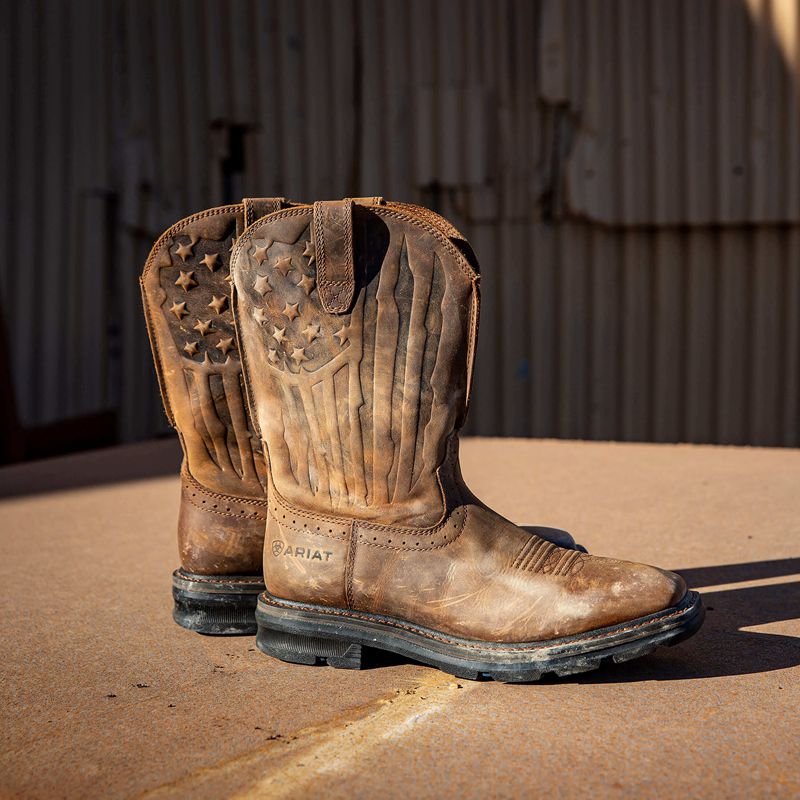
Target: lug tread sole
<point>299,637</point>
<point>215,605</point>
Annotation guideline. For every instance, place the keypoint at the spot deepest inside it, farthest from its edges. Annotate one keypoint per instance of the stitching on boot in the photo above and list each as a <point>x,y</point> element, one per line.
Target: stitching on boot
<point>250,501</point>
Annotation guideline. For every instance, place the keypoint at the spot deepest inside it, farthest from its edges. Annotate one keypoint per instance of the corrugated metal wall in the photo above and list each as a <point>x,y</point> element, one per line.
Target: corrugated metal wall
<point>628,172</point>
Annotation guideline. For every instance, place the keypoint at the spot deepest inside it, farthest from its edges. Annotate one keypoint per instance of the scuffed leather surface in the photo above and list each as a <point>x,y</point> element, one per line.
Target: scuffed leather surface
<point>360,413</point>
<point>219,534</point>
<point>354,433</point>
<point>186,295</point>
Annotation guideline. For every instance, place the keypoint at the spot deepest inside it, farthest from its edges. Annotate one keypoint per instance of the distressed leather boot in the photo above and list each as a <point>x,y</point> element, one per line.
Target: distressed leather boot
<point>358,324</point>
<point>186,295</point>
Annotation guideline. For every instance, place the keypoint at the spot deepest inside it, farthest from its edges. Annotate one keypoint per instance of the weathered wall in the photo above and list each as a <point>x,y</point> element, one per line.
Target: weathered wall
<point>628,173</point>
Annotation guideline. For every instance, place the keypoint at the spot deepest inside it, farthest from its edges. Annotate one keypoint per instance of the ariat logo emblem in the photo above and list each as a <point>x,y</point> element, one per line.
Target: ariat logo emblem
<point>307,553</point>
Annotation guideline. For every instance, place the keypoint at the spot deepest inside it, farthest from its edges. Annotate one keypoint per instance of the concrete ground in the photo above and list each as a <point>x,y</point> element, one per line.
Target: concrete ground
<point>104,696</point>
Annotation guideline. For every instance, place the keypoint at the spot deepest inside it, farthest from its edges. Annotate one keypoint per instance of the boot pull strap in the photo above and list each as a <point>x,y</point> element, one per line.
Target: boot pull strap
<point>367,201</point>
<point>255,207</point>
<point>333,248</point>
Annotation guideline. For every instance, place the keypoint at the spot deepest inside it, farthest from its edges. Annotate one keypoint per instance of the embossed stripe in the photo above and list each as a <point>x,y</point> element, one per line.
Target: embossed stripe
<point>566,563</point>
<point>387,326</point>
<point>524,552</point>
<point>443,404</point>
<point>534,553</point>
<point>422,272</point>
<point>319,444</point>
<point>233,396</point>
<point>330,406</point>
<point>534,565</point>
<point>216,428</point>
<point>197,436</point>
<point>355,401</point>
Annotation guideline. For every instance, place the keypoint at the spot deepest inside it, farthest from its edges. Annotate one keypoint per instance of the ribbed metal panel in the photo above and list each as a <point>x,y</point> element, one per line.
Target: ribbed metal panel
<point>627,171</point>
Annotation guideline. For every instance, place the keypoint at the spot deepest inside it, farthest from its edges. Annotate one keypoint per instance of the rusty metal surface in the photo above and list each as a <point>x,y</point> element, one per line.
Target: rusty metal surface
<point>628,173</point>
<point>103,696</point>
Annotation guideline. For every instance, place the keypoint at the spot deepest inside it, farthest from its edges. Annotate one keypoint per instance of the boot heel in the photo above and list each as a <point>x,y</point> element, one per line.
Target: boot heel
<point>299,648</point>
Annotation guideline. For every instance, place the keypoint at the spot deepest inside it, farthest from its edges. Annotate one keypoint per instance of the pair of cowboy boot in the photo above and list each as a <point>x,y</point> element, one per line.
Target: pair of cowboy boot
<point>357,324</point>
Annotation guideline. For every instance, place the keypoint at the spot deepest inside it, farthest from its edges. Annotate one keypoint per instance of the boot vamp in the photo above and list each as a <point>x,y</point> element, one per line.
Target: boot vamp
<point>493,581</point>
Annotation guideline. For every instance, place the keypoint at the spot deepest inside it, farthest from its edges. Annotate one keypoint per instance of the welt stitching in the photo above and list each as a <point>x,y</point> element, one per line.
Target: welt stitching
<point>350,567</point>
<point>221,579</point>
<point>448,640</point>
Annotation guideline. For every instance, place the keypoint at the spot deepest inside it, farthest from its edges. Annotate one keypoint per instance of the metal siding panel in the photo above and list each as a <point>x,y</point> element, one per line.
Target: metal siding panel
<point>768,343</point>
<point>668,337</point>
<point>637,334</point>
<point>26,323</point>
<point>631,329</point>
<point>791,356</point>
<point>701,336</point>
<point>605,341</point>
<point>733,364</point>
<point>52,271</point>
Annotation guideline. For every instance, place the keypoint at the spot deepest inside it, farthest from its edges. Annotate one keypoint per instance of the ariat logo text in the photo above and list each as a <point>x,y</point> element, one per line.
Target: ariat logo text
<point>308,553</point>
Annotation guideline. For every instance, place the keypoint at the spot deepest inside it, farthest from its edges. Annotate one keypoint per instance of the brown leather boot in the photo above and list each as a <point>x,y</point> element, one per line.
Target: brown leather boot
<point>186,295</point>
<point>358,325</point>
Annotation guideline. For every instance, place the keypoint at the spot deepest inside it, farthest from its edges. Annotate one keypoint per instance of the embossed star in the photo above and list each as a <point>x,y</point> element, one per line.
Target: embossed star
<point>284,265</point>
<point>306,283</point>
<point>203,327</point>
<point>262,285</point>
<point>184,251</point>
<point>343,334</point>
<point>311,332</point>
<point>310,252</point>
<point>225,345</point>
<point>278,334</point>
<point>299,355</point>
<point>186,280</point>
<point>274,356</point>
<point>179,310</point>
<point>211,260</point>
<point>190,348</point>
<point>260,317</point>
<point>218,303</point>
<point>260,254</point>
<point>290,311</point>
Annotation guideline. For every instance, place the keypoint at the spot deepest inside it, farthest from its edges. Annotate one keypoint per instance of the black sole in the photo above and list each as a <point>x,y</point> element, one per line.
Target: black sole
<point>216,605</point>
<point>305,634</point>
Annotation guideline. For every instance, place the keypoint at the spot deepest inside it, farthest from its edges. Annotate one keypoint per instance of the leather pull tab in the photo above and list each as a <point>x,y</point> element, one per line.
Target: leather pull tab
<point>367,201</point>
<point>256,207</point>
<point>333,247</point>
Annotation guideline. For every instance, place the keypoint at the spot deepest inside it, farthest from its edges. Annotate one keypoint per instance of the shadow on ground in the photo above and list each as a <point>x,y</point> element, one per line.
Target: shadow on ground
<point>152,459</point>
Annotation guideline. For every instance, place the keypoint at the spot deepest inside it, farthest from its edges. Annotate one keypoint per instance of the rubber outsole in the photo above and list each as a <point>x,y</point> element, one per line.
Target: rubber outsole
<point>313,635</point>
<point>216,605</point>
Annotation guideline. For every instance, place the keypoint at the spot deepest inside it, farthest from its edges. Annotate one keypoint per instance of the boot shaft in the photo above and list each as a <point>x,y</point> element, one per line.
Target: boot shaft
<point>359,324</point>
<point>186,296</point>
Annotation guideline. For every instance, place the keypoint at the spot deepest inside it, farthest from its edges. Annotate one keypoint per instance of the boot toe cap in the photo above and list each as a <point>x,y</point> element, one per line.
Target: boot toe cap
<point>614,592</point>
